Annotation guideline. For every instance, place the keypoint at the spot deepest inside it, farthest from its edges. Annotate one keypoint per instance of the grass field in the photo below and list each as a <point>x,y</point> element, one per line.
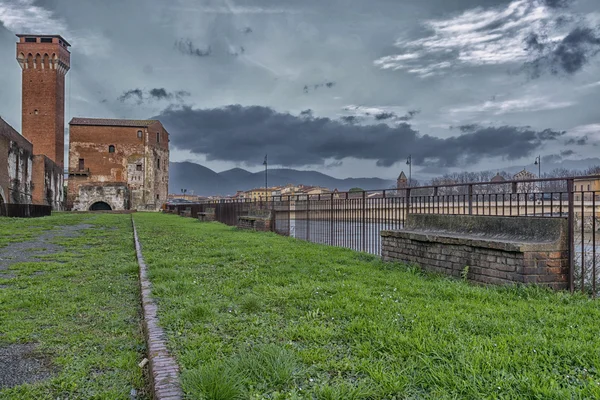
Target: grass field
<point>255,315</point>
<point>69,308</point>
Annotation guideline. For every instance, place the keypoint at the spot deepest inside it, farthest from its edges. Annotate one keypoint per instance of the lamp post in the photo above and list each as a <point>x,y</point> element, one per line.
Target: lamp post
<point>538,162</point>
<point>409,163</point>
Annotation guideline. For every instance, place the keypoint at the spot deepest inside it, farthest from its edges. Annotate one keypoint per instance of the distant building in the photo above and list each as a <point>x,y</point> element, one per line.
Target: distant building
<point>401,182</point>
<point>526,187</point>
<point>587,188</point>
<point>117,164</point>
<point>498,178</point>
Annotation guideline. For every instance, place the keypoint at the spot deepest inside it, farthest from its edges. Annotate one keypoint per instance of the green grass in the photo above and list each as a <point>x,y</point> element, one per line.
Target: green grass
<point>256,315</point>
<point>79,306</point>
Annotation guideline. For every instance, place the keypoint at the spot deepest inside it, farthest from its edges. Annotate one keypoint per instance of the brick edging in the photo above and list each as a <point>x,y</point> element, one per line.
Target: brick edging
<point>164,371</point>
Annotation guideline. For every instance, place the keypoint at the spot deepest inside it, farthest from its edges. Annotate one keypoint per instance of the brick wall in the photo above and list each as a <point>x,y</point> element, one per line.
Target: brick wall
<point>44,67</point>
<point>485,265</point>
<point>254,223</point>
<point>491,260</point>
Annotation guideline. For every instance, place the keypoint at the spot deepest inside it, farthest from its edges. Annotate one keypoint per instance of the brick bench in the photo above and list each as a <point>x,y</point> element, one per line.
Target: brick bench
<point>257,220</point>
<point>207,215</point>
<point>497,250</point>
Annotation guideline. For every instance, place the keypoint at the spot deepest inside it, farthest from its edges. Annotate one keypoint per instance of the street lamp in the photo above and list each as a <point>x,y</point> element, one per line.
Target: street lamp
<point>538,162</point>
<point>409,163</point>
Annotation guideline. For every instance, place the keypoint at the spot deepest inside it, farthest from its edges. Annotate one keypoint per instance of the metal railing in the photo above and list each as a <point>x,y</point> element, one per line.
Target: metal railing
<point>355,219</point>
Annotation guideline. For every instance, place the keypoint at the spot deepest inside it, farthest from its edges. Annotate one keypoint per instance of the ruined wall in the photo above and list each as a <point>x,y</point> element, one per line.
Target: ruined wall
<point>48,183</point>
<point>116,195</point>
<point>139,162</point>
<point>157,171</point>
<point>16,166</point>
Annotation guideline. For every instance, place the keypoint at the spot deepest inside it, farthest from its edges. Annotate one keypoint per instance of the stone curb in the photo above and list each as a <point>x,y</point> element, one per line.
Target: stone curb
<point>164,371</point>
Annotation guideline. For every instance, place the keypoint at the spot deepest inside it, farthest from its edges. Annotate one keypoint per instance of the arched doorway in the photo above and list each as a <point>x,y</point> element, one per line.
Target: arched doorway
<point>100,206</point>
<point>3,212</point>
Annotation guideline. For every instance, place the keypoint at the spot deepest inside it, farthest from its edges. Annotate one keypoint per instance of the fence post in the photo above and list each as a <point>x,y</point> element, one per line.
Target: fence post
<point>308,217</point>
<point>470,199</point>
<point>364,218</point>
<point>407,211</point>
<point>571,222</point>
<point>331,220</point>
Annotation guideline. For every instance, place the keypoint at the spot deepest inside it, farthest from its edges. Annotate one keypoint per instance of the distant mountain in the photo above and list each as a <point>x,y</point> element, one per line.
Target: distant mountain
<point>206,182</point>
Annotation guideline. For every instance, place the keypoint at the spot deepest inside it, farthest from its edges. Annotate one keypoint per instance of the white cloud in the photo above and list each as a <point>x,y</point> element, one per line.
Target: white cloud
<point>24,16</point>
<point>523,104</point>
<point>592,130</point>
<point>474,38</point>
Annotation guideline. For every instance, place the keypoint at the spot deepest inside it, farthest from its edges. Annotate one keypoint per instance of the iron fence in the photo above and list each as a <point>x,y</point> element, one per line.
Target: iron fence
<point>355,219</point>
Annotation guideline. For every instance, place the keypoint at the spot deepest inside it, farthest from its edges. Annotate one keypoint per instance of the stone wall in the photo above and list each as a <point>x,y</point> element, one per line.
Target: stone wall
<point>496,250</point>
<point>116,195</point>
<point>254,223</point>
<point>16,166</point>
<point>48,183</point>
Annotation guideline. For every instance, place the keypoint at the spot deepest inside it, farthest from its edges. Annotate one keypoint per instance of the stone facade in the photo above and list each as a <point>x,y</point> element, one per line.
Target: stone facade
<point>130,153</point>
<point>115,195</point>
<point>16,166</point>
<point>502,250</point>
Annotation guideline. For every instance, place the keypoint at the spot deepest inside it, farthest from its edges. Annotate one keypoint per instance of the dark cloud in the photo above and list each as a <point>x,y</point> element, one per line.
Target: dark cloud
<point>552,159</point>
<point>350,119</point>
<point>557,3</point>
<point>581,141</point>
<point>409,115</point>
<point>384,115</point>
<point>566,56</point>
<point>316,86</point>
<point>132,94</point>
<point>186,46</point>
<point>567,153</point>
<point>247,30</point>
<point>153,94</point>
<point>308,112</point>
<point>240,134</point>
<point>467,128</point>
<point>159,93</point>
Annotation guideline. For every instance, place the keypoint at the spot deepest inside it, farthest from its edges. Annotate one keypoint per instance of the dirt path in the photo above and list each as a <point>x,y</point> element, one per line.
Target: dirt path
<point>22,363</point>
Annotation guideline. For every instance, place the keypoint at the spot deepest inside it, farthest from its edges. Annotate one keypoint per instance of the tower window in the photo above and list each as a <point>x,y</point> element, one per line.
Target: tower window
<point>81,164</point>
<point>157,197</point>
<point>111,149</point>
<point>158,163</point>
<point>30,40</point>
<point>138,167</point>
<point>140,134</point>
<point>35,112</point>
<point>157,137</point>
<point>46,40</point>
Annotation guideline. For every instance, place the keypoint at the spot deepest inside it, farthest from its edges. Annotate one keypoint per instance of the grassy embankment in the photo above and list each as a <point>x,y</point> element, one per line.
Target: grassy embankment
<point>255,315</point>
<point>75,300</point>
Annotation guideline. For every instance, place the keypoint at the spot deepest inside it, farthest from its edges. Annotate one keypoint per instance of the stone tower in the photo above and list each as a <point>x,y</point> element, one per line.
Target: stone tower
<point>45,60</point>
<point>401,182</point>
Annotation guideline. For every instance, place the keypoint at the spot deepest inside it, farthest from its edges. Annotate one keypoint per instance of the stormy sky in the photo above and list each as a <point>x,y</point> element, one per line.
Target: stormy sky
<point>346,87</point>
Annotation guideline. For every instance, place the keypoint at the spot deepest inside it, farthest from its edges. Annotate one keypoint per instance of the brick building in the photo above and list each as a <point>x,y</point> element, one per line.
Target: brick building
<point>117,164</point>
<point>31,165</point>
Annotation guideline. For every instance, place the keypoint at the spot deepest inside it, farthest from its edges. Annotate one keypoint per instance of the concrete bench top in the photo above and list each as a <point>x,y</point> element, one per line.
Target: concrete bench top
<point>501,233</point>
